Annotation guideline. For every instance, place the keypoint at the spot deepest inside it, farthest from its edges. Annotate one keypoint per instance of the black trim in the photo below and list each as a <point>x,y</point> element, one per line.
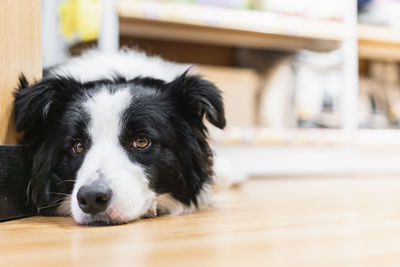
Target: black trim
<point>15,165</point>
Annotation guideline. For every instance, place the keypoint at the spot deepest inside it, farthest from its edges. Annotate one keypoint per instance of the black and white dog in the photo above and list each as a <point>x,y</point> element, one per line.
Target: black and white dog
<point>118,137</point>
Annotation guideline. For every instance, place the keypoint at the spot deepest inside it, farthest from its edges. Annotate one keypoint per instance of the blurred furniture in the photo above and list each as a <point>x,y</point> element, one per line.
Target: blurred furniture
<point>378,43</point>
<point>20,52</point>
<point>225,26</point>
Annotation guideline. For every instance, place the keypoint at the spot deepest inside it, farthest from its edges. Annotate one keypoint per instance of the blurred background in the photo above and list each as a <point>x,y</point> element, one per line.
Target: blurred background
<point>311,87</point>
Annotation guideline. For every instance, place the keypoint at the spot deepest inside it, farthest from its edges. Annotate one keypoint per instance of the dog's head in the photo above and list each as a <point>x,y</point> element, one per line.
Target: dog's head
<point>111,151</point>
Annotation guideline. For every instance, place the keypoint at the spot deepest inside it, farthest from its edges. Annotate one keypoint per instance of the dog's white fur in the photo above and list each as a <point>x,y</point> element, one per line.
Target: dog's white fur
<point>95,65</point>
<point>131,195</point>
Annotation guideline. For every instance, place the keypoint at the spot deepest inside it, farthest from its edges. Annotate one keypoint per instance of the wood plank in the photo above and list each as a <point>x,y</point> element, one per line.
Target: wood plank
<point>378,43</point>
<point>20,51</point>
<point>320,221</point>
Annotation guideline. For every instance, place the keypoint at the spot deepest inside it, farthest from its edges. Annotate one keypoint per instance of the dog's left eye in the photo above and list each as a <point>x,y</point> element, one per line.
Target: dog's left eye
<point>78,147</point>
<point>141,142</point>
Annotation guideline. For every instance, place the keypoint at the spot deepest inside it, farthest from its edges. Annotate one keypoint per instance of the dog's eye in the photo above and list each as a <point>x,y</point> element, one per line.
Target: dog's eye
<point>141,142</point>
<point>78,147</point>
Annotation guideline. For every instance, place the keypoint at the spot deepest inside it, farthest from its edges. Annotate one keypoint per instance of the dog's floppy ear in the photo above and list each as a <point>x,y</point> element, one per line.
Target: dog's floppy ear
<point>33,104</point>
<point>199,98</point>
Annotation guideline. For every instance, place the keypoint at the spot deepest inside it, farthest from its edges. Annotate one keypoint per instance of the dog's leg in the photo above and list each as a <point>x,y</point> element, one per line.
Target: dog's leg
<point>226,175</point>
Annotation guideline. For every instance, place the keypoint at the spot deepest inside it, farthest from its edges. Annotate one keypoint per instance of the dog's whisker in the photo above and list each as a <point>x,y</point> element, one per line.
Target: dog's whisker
<point>61,194</point>
<point>57,202</point>
<point>50,205</point>
<point>65,181</point>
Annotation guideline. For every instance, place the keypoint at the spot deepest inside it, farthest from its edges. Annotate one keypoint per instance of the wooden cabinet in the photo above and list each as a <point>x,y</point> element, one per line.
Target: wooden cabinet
<point>20,51</point>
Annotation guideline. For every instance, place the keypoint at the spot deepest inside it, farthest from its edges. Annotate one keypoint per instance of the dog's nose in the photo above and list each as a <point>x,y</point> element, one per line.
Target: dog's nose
<point>94,198</point>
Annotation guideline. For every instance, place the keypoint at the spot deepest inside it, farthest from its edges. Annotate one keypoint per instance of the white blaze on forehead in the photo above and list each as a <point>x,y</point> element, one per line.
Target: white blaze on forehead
<point>127,180</point>
<point>106,111</point>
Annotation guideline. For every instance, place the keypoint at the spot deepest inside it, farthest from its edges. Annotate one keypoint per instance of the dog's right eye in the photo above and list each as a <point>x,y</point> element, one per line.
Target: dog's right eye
<point>141,142</point>
<point>78,147</point>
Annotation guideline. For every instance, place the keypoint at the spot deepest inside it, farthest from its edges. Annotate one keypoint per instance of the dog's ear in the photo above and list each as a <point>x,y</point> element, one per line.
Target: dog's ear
<point>31,104</point>
<point>34,105</point>
<point>198,98</point>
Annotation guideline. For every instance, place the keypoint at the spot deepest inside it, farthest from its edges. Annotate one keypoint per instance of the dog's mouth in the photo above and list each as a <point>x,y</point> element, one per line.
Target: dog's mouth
<point>115,216</point>
<point>99,220</point>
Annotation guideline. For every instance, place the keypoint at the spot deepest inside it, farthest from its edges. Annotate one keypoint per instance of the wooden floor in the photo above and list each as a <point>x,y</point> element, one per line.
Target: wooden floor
<point>270,222</point>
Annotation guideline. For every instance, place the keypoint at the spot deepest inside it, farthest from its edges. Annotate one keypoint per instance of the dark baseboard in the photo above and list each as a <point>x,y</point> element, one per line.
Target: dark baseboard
<point>15,165</point>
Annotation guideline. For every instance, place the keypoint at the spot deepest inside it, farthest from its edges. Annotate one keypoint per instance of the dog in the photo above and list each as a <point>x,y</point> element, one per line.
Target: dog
<point>118,137</point>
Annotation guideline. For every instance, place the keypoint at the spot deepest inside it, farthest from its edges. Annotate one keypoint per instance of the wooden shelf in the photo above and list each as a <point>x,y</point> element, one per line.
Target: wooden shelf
<point>288,160</point>
<point>259,136</point>
<point>274,152</point>
<point>305,137</point>
<point>249,28</point>
<point>378,43</point>
<point>224,26</point>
